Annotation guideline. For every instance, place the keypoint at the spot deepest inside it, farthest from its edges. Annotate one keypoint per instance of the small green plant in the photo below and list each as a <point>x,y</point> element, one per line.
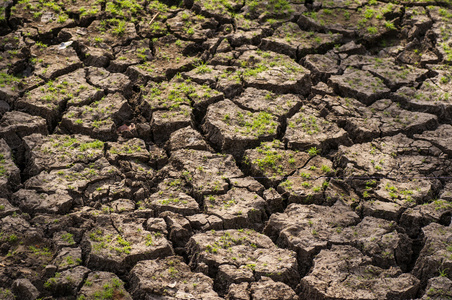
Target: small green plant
<point>313,151</point>
<point>149,241</point>
<point>41,44</point>
<point>68,237</point>
<point>372,30</point>
<point>316,189</point>
<point>12,238</point>
<point>120,28</point>
<point>191,31</point>
<point>443,272</point>
<point>62,18</point>
<point>326,169</point>
<point>390,25</point>
<point>203,69</point>
<point>51,281</point>
<point>88,282</point>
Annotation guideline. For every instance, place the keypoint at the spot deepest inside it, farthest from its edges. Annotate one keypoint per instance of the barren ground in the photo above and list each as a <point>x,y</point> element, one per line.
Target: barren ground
<point>225,149</point>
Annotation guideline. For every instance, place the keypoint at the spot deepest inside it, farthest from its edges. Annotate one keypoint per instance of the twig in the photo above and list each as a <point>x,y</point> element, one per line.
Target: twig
<point>152,20</point>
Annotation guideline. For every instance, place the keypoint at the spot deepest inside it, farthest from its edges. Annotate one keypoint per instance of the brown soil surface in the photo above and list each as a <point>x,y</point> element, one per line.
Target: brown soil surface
<point>225,149</point>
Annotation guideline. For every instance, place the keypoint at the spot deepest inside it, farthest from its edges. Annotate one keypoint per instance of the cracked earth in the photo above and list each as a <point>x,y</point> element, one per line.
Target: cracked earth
<point>225,149</point>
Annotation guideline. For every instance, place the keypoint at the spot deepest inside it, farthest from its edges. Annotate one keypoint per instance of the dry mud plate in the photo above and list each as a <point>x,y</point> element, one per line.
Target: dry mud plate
<point>225,149</point>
